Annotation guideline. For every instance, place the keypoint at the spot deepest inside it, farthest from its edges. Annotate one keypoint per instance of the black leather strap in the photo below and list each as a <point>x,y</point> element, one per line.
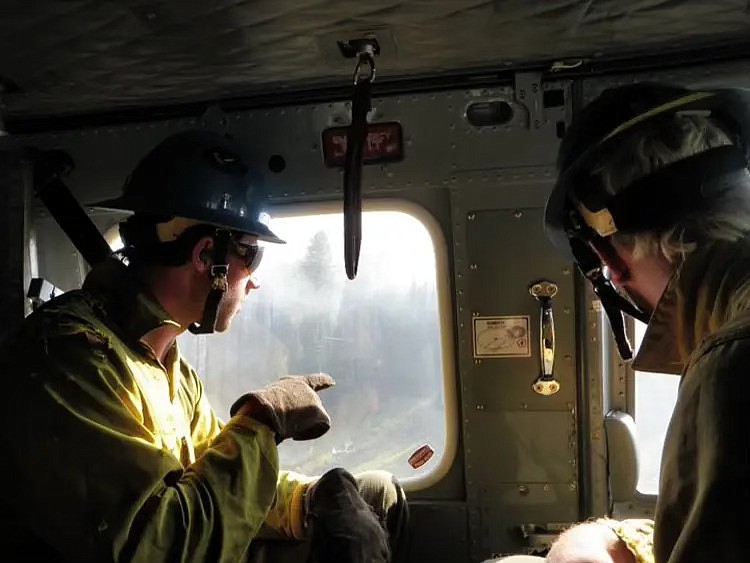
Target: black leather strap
<point>355,145</point>
<point>218,274</point>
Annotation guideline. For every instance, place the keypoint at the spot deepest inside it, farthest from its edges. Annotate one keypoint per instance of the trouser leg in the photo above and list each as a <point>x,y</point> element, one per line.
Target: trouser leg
<point>352,514</point>
<point>386,497</point>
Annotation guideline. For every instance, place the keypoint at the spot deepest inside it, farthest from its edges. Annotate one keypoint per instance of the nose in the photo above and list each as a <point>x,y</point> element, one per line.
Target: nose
<point>252,283</point>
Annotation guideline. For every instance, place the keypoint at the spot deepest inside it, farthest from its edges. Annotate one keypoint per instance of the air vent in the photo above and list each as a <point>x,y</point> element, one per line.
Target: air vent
<point>488,114</point>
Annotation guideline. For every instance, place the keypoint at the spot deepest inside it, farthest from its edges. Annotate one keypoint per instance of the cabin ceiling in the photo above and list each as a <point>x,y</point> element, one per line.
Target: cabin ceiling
<point>96,56</point>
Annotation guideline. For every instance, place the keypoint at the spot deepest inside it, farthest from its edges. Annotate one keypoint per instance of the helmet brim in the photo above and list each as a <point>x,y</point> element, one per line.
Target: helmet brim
<point>249,225</point>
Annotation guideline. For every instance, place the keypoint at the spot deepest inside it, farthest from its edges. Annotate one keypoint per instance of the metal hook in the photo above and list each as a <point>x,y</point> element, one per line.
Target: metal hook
<point>366,56</point>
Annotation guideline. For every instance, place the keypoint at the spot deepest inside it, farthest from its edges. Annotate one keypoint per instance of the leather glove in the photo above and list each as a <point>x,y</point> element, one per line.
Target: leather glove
<point>290,406</point>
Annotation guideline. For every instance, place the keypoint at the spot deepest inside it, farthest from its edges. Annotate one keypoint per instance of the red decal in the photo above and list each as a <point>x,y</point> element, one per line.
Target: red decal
<point>421,456</point>
<point>383,144</point>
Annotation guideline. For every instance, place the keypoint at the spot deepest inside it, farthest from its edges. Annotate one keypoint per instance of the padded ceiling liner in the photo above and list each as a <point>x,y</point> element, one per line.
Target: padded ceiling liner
<point>92,56</point>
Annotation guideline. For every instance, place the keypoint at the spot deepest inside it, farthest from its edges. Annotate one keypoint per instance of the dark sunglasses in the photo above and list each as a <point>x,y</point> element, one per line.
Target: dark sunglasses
<point>251,254</point>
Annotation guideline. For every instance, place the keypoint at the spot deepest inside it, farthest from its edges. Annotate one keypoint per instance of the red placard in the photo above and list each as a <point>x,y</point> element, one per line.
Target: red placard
<point>422,455</point>
<point>384,144</point>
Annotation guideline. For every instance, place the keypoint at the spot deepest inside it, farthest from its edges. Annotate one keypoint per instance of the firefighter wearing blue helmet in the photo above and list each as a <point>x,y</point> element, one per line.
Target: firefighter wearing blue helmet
<point>109,438</point>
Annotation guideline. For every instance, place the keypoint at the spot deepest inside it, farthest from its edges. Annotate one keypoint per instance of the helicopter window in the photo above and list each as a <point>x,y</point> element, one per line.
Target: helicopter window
<point>379,336</point>
<point>655,397</point>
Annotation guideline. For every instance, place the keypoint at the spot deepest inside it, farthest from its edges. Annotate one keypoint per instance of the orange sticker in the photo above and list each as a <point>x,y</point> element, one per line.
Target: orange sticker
<point>421,456</point>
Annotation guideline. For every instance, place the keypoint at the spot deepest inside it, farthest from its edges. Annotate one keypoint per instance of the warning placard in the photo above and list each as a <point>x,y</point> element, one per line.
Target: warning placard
<point>501,337</point>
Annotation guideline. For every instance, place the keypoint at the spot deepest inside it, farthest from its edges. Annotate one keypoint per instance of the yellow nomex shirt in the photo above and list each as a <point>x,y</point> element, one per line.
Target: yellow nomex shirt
<point>113,455</point>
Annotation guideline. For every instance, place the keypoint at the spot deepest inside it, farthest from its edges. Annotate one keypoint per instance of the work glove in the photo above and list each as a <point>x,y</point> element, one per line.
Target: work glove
<point>290,406</point>
<point>344,527</point>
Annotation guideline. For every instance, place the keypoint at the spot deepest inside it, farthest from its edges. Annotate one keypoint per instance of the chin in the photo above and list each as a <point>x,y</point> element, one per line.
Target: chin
<point>222,326</point>
<point>223,322</point>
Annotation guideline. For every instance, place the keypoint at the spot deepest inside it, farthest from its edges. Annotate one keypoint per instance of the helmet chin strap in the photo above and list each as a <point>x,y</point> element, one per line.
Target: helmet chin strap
<point>219,285</point>
<point>613,303</point>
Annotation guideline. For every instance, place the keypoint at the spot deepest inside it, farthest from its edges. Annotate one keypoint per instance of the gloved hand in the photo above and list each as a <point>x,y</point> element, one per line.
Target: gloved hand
<point>344,527</point>
<point>290,406</point>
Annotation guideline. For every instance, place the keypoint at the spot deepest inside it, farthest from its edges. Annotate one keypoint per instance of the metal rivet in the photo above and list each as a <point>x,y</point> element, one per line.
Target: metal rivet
<point>473,267</point>
<point>523,490</point>
<point>471,216</point>
<point>477,362</point>
<point>480,407</point>
<point>517,214</point>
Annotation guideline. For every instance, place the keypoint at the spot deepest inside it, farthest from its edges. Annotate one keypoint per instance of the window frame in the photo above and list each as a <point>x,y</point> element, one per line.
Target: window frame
<point>642,504</point>
<point>443,286</point>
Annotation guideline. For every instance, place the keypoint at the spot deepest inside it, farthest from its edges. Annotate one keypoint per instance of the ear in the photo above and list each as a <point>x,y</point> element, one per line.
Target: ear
<point>201,257</point>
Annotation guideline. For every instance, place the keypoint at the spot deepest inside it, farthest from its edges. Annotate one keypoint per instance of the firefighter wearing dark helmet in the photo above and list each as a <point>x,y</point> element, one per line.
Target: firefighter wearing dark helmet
<point>653,203</point>
<point>109,440</point>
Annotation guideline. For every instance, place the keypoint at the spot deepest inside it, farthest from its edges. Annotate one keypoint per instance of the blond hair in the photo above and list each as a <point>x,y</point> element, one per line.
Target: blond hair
<point>666,141</point>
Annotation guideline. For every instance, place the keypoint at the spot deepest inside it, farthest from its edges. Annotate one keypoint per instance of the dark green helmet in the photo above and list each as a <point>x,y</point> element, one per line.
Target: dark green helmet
<point>201,176</point>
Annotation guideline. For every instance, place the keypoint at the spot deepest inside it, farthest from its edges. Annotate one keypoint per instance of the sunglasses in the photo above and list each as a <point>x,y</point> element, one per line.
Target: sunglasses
<point>251,254</point>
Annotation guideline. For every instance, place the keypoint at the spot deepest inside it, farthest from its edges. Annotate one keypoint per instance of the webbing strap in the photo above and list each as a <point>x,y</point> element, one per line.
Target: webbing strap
<point>15,184</point>
<point>355,146</point>
<point>219,271</point>
<point>49,169</point>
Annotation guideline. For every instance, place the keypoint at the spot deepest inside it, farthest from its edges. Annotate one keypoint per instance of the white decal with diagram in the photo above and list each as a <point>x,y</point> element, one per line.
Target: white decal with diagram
<point>501,337</point>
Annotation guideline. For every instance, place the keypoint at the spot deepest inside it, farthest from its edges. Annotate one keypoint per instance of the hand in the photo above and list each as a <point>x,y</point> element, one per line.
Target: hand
<point>291,406</point>
<point>589,543</point>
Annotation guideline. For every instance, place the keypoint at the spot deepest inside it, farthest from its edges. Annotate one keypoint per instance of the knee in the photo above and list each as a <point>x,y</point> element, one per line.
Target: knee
<point>381,491</point>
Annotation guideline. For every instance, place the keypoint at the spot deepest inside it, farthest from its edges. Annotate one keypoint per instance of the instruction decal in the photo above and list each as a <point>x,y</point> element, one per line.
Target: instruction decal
<point>501,337</point>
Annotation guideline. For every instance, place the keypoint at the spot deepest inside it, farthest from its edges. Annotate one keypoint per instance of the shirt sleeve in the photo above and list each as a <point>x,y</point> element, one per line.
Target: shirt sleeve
<point>89,481</point>
<point>286,517</point>
<point>704,495</point>
<point>636,534</point>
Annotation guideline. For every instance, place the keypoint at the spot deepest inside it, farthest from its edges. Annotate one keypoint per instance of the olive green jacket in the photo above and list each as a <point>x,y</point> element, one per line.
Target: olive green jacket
<point>701,330</point>
<point>110,455</point>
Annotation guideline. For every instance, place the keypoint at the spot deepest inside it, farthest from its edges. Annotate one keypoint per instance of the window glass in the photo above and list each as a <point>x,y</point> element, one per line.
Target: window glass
<point>655,397</point>
<point>378,336</point>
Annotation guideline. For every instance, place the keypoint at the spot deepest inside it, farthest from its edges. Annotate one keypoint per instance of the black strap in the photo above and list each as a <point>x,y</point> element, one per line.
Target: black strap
<point>355,145</point>
<point>218,274</point>
<point>613,303</point>
<point>49,168</point>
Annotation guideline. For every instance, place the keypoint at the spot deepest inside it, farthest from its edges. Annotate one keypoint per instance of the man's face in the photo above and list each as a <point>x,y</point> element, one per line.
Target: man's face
<point>240,281</point>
